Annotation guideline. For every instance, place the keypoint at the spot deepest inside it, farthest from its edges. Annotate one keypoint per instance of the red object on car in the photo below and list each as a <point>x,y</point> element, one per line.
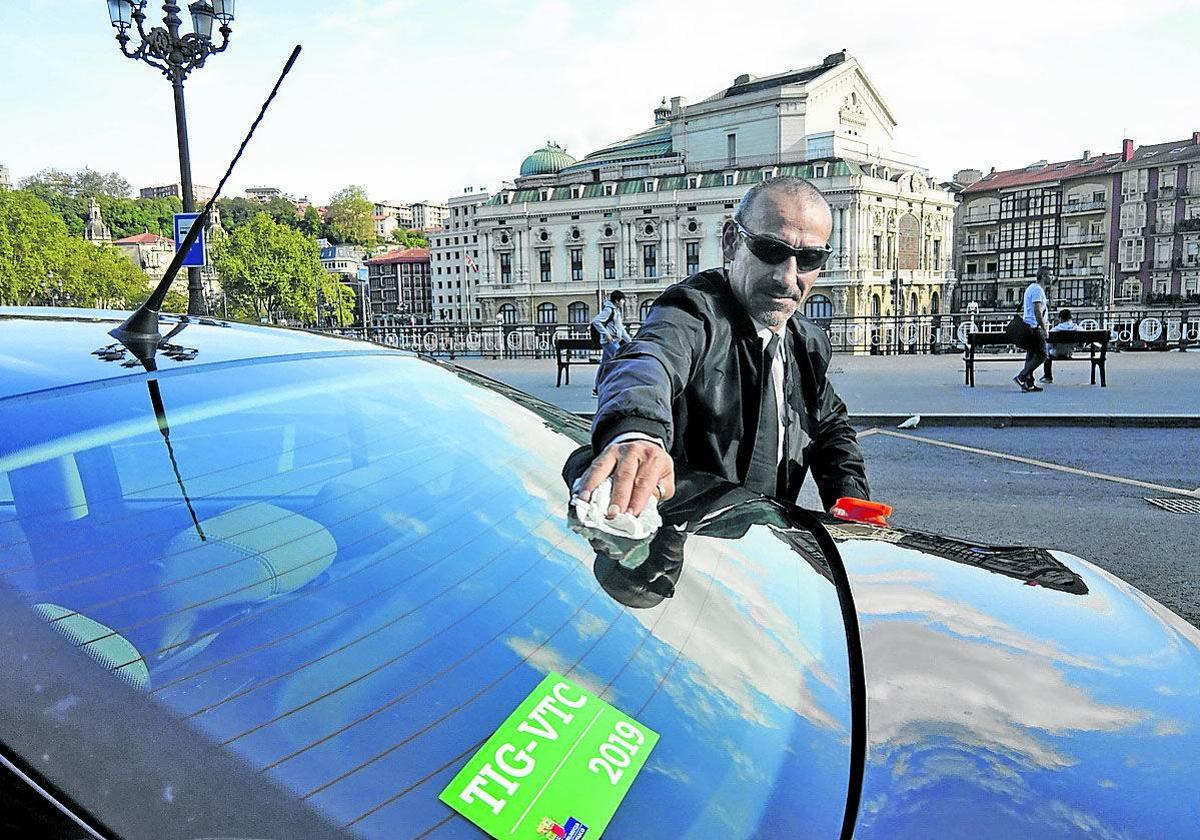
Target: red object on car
<point>861,510</point>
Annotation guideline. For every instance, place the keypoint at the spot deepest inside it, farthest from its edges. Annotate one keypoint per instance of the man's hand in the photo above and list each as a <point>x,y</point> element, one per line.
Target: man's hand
<point>639,468</point>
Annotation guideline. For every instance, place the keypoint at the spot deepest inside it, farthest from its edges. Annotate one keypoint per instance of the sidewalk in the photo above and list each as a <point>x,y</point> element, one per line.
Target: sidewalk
<point>1144,389</point>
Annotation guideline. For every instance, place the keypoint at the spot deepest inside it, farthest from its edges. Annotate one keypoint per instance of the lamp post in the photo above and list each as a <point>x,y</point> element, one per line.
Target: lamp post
<point>176,55</point>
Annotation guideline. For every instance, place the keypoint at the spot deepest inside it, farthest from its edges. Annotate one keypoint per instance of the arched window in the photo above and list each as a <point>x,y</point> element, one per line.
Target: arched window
<point>547,313</point>
<point>912,304</point>
<point>645,309</point>
<point>876,306</point>
<point>818,309</point>
<point>935,302</point>
<point>507,313</point>
<point>578,313</point>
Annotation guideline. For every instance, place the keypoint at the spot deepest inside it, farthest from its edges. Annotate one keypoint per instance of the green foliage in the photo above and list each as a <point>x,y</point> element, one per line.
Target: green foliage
<point>310,223</point>
<point>351,217</point>
<point>41,264</point>
<point>101,276</point>
<point>131,216</point>
<point>86,182</point>
<point>33,246</point>
<point>124,216</point>
<point>339,302</point>
<point>269,270</point>
<point>410,238</point>
<point>236,212</point>
<point>175,301</point>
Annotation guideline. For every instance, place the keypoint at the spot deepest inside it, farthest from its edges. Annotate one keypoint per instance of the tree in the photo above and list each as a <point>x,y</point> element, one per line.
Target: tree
<point>101,276</point>
<point>351,217</point>
<point>269,270</point>
<point>310,223</point>
<point>41,264</point>
<point>339,301</point>
<point>410,238</point>
<point>131,216</point>
<point>86,182</point>
<point>33,247</point>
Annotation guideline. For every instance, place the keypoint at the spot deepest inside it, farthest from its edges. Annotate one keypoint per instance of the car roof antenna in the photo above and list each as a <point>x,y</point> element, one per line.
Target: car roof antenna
<point>140,331</point>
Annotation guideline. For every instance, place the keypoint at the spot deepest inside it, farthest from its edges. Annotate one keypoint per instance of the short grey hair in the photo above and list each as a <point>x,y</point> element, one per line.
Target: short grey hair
<point>800,188</point>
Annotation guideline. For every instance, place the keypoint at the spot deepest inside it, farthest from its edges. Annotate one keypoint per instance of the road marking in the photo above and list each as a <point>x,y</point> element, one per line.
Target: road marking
<point>1043,464</point>
<point>869,432</point>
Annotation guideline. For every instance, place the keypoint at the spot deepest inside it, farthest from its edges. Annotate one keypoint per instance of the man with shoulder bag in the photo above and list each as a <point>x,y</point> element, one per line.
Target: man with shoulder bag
<point>608,328</point>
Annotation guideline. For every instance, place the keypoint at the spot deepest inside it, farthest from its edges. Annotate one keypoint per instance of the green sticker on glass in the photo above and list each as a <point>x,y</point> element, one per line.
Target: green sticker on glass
<point>556,769</point>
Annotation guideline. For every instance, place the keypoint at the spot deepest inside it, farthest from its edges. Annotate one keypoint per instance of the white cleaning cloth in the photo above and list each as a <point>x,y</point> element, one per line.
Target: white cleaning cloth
<point>592,514</point>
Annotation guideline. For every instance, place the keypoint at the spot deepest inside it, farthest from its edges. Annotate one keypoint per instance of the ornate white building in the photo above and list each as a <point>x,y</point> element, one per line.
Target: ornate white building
<point>647,211</point>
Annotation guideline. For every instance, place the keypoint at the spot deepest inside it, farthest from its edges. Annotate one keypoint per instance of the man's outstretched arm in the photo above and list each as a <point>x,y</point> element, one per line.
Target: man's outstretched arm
<point>637,394</point>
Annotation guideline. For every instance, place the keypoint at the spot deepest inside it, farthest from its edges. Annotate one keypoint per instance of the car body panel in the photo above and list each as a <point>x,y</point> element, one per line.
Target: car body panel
<point>346,565</point>
<point>1019,709</point>
<point>349,569</point>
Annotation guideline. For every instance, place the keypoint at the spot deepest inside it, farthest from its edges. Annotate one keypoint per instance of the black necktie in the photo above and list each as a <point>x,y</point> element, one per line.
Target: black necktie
<point>763,474</point>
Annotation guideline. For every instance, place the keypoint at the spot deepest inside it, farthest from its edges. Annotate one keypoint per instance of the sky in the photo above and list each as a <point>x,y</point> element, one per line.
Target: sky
<point>416,100</point>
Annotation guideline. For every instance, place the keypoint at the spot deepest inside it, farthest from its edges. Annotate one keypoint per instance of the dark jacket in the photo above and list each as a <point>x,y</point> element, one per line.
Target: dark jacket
<point>691,378</point>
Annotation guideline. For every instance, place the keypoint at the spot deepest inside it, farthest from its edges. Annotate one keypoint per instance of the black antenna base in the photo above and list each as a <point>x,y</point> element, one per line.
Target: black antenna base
<point>140,327</point>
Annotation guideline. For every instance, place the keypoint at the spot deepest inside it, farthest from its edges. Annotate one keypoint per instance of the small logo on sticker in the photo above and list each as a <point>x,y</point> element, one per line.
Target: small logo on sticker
<point>572,829</point>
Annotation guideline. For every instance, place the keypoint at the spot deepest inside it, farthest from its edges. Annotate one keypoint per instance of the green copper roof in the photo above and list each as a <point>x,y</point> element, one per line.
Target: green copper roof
<point>651,143</point>
<point>546,161</point>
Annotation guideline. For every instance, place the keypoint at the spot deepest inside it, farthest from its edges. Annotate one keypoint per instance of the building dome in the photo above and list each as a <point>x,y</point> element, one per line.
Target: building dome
<point>546,161</point>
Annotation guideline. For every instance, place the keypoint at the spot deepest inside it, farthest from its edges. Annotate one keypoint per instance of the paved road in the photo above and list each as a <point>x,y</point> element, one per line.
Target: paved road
<point>1160,384</point>
<point>995,500</point>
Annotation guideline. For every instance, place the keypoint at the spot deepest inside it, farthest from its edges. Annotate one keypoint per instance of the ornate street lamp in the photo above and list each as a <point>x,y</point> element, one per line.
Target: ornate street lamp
<point>176,54</point>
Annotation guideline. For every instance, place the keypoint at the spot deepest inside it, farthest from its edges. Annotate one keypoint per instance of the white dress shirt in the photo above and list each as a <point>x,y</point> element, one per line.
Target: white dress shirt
<point>777,368</point>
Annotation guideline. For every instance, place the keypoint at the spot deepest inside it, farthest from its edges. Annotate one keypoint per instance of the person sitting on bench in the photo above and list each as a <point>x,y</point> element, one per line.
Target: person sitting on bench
<point>1058,351</point>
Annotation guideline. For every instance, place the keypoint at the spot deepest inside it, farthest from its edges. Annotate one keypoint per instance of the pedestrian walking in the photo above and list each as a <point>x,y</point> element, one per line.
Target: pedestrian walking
<point>1034,316</point>
<point>609,329</point>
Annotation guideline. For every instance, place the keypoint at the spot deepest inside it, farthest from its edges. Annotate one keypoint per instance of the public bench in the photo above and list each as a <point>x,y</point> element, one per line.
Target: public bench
<point>1094,342</point>
<point>567,352</point>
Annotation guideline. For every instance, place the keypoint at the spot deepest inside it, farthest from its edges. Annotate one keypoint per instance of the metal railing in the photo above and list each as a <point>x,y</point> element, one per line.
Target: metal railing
<point>980,218</point>
<point>1084,206</point>
<point>1083,239</point>
<point>1143,328</point>
<point>979,247</point>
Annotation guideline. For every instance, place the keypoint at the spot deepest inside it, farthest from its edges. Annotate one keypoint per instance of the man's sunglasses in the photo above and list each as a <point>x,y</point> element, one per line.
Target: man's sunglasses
<point>773,252</point>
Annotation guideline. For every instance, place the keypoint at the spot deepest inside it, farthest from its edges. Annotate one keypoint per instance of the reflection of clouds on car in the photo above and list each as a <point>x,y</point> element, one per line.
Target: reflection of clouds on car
<point>970,688</point>
<point>380,569</point>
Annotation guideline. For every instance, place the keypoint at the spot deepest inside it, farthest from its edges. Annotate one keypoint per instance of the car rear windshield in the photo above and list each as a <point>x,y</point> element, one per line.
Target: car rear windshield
<point>349,571</point>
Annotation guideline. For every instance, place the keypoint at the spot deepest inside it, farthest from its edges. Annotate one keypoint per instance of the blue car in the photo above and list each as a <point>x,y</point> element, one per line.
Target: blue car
<point>265,583</point>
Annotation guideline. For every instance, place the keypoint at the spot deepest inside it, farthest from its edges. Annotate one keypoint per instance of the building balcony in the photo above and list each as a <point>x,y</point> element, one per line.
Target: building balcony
<point>981,218</point>
<point>1168,193</point>
<point>979,276</point>
<point>1084,207</point>
<point>1082,271</point>
<point>1162,228</point>
<point>979,247</point>
<point>1082,240</point>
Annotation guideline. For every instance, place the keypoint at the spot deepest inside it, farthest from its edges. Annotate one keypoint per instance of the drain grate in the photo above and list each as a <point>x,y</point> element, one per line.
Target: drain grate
<point>1177,505</point>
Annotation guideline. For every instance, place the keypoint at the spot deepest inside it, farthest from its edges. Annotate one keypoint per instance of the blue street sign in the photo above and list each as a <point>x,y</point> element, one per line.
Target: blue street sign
<point>183,223</point>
